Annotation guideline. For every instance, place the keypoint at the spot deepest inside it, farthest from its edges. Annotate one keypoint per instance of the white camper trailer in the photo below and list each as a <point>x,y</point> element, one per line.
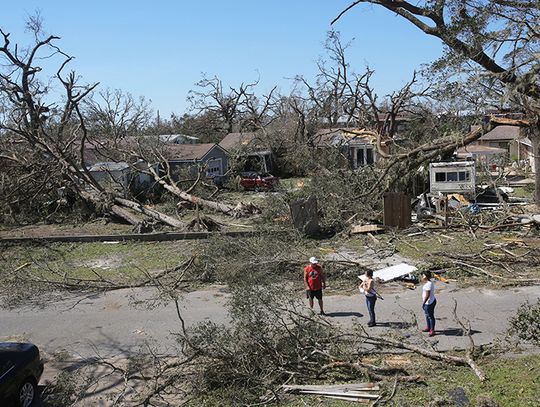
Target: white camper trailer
<point>452,177</point>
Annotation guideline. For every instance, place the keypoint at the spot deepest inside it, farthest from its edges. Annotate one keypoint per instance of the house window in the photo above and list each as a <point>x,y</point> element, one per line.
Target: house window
<point>364,156</point>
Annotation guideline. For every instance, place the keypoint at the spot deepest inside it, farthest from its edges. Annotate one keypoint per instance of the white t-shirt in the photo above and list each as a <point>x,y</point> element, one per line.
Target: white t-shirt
<point>429,286</point>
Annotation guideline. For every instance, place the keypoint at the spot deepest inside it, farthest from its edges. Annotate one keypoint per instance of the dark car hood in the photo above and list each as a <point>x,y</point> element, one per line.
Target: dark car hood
<point>15,347</point>
<point>18,352</point>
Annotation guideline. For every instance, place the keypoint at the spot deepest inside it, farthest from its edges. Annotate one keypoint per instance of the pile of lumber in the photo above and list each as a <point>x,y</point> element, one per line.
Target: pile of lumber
<point>353,392</point>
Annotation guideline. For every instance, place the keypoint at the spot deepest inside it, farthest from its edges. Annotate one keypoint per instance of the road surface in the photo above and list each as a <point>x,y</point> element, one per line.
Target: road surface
<point>111,325</point>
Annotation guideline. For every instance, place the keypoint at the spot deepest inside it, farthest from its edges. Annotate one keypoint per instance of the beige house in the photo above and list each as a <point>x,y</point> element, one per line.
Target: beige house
<point>359,145</point>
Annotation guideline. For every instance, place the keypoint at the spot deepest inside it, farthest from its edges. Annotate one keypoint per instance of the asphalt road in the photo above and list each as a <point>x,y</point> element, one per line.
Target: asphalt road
<point>111,325</point>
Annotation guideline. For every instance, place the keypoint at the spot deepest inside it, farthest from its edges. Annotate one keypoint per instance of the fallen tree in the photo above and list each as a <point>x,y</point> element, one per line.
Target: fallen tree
<point>230,210</point>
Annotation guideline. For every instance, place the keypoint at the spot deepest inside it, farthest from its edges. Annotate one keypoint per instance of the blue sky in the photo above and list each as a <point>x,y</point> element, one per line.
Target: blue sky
<point>159,49</point>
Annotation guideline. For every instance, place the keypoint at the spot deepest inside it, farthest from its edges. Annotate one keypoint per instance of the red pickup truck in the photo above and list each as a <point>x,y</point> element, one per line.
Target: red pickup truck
<point>254,181</point>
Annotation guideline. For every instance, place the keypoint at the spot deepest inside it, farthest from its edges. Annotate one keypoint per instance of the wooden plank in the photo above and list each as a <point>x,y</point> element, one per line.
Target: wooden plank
<point>348,386</point>
<point>358,400</point>
<point>349,394</point>
<point>366,229</point>
<point>149,237</point>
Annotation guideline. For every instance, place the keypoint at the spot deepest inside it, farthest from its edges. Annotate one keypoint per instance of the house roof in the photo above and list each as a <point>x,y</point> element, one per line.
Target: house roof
<point>503,132</point>
<point>237,141</point>
<point>188,152</point>
<point>477,149</point>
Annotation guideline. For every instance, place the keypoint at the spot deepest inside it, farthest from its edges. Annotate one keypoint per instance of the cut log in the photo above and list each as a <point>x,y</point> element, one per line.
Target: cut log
<point>168,220</point>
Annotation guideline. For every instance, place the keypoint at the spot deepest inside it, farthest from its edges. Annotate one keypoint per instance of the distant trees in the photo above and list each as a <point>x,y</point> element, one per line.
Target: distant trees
<point>116,114</point>
<point>229,109</point>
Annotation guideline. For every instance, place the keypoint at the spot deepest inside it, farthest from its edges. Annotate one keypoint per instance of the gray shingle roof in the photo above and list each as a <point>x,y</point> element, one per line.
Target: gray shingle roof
<point>502,133</point>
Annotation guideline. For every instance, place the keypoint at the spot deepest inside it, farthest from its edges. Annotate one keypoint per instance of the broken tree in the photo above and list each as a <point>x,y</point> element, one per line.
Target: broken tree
<point>44,142</point>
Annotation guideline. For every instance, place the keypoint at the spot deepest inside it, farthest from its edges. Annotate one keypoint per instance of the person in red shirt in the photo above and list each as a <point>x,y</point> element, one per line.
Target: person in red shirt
<point>315,282</point>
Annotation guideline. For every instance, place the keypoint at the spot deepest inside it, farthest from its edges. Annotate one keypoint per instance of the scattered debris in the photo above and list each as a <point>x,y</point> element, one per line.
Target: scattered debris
<point>393,272</point>
<point>354,392</point>
<point>204,223</point>
<point>357,229</point>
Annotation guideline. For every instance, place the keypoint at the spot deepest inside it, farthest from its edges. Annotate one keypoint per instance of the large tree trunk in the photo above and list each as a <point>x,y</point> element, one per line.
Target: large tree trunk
<point>168,220</point>
<point>126,215</point>
<point>224,208</point>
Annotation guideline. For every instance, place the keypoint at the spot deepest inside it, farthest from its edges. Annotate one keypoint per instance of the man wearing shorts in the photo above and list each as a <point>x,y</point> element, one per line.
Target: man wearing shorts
<point>315,282</point>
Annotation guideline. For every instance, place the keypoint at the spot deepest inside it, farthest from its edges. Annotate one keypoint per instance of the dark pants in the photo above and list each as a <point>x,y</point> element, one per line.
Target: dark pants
<point>429,310</point>
<point>370,302</point>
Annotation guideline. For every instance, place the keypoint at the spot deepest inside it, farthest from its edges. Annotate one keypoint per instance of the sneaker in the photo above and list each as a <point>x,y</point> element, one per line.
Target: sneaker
<point>322,313</point>
<point>431,333</point>
<point>370,324</point>
<point>425,330</point>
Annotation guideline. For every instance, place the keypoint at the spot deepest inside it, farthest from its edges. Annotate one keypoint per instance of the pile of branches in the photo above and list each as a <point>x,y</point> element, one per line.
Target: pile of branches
<point>504,263</point>
<point>272,340</point>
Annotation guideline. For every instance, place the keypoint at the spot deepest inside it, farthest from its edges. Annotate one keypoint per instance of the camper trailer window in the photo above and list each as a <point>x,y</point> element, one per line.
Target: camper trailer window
<point>451,176</point>
<point>440,176</point>
<point>464,176</point>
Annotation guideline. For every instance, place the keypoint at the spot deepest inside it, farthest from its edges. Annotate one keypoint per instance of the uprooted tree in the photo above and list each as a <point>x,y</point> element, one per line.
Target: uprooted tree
<point>494,42</point>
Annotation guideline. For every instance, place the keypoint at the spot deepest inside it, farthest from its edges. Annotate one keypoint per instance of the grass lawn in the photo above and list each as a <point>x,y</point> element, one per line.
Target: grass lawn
<point>119,262</point>
<point>512,382</point>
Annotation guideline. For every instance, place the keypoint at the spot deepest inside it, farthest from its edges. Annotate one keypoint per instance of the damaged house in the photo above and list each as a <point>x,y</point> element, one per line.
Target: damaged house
<point>111,171</point>
<point>357,145</point>
<point>248,148</point>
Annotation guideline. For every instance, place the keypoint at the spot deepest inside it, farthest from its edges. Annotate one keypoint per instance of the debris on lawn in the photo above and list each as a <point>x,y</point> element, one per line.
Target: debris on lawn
<point>392,272</point>
<point>360,229</point>
<point>204,223</point>
<point>353,392</point>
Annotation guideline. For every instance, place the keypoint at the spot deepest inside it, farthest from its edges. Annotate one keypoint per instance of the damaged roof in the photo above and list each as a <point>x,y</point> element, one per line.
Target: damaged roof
<point>503,132</point>
<point>188,152</point>
<point>477,149</point>
<point>240,140</point>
